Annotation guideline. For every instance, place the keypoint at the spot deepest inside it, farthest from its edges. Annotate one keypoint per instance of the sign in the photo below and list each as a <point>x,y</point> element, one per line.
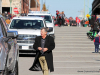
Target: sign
<point>87,15</point>
<point>16,10</point>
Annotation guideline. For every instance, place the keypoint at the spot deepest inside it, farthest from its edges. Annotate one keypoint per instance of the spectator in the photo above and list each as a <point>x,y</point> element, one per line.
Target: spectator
<point>8,21</point>
<point>63,17</point>
<point>83,22</point>
<point>78,22</point>
<point>96,43</point>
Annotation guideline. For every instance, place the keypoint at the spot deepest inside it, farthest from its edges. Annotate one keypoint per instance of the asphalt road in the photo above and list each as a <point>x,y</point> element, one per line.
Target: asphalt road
<point>73,55</point>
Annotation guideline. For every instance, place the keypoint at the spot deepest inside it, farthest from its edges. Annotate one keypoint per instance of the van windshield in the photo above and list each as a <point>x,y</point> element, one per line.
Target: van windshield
<point>46,17</point>
<point>26,24</point>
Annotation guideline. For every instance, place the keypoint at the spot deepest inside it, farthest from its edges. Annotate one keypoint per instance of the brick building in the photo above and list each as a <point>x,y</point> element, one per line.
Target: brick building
<point>22,5</point>
<point>25,6</point>
<point>33,5</point>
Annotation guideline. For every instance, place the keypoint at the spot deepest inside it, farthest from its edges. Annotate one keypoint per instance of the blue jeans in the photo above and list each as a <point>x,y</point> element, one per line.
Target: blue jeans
<point>96,47</point>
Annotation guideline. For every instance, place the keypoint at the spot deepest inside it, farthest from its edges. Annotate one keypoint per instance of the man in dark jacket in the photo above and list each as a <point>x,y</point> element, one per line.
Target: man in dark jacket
<point>43,45</point>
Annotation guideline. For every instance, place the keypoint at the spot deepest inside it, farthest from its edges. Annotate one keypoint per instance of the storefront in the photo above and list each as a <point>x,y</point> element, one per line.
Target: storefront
<point>35,5</point>
<point>5,9</point>
<point>14,3</point>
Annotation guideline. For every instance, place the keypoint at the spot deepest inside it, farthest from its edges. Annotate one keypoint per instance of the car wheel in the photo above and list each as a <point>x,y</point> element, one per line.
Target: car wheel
<point>16,69</point>
<point>6,72</point>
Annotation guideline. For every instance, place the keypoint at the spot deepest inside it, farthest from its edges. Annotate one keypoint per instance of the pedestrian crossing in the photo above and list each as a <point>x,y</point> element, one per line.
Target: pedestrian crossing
<point>73,54</point>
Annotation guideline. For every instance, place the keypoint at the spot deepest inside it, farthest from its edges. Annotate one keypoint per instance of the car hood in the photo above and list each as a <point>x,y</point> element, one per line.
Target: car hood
<point>50,24</point>
<point>27,31</point>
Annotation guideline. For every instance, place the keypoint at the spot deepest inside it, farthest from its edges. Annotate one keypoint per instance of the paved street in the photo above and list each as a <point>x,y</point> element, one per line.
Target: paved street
<point>73,54</point>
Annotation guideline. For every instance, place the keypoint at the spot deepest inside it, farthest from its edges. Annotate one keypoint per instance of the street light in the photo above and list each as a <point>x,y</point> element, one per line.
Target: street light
<point>10,6</point>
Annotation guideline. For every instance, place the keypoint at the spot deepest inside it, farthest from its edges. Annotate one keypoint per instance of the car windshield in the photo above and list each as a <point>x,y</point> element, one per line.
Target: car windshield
<point>26,24</point>
<point>46,17</point>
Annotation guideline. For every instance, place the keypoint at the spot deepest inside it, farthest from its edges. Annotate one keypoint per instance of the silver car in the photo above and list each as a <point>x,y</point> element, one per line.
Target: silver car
<point>9,50</point>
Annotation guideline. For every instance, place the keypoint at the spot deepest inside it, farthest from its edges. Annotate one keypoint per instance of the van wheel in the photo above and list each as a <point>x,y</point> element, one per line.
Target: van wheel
<point>16,69</point>
<point>6,72</point>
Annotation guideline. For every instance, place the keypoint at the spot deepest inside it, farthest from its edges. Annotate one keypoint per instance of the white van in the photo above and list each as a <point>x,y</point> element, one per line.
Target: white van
<point>48,19</point>
<point>28,28</point>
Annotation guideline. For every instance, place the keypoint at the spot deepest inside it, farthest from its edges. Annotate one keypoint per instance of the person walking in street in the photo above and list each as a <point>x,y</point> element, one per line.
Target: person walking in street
<point>43,45</point>
<point>96,43</point>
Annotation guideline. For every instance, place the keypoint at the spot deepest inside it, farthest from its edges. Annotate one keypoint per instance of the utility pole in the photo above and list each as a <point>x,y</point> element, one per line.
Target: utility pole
<point>84,9</point>
<point>29,3</point>
<point>88,6</point>
<point>10,6</point>
<point>36,4</point>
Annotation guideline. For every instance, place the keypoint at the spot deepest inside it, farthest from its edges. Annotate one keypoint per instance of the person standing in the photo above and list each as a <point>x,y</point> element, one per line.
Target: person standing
<point>8,21</point>
<point>78,22</point>
<point>63,18</point>
<point>83,22</point>
<point>43,45</point>
<point>96,43</point>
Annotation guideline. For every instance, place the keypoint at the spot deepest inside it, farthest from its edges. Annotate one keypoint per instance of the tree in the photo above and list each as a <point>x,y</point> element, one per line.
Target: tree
<point>44,7</point>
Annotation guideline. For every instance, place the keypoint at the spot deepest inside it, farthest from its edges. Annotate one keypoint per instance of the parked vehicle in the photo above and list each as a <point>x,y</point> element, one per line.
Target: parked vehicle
<point>48,19</point>
<point>9,50</point>
<point>28,29</point>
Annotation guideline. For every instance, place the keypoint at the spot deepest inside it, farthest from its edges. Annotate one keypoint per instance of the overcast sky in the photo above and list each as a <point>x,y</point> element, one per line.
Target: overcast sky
<point>70,7</point>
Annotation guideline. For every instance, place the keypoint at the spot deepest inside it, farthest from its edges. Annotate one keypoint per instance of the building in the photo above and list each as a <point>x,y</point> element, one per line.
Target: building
<point>96,7</point>
<point>22,5</point>
<point>14,3</point>
<point>34,5</point>
<point>25,6</point>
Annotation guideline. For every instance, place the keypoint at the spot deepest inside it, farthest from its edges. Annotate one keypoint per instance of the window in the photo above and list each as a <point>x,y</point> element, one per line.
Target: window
<point>26,24</point>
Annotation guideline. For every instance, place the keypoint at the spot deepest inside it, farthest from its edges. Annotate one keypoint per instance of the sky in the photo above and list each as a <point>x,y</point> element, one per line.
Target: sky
<point>71,8</point>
